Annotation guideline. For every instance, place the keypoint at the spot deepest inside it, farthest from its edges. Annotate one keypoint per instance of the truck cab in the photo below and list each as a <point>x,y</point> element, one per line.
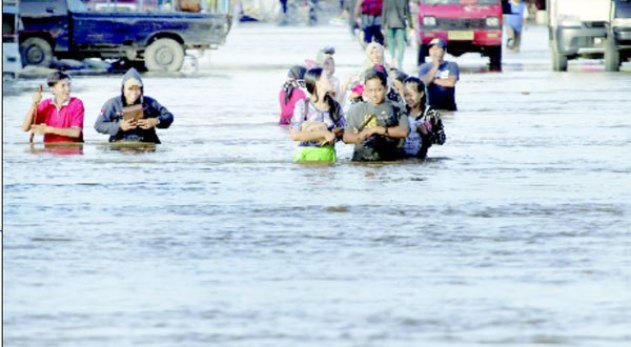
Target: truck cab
<point>466,26</point>
<point>576,28</point>
<point>618,43</point>
<point>154,32</point>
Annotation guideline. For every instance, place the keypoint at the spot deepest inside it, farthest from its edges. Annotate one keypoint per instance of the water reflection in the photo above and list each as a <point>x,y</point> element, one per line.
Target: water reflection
<point>59,148</point>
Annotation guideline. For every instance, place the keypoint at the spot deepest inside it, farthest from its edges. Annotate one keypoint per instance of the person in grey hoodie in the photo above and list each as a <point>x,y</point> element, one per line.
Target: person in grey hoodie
<point>110,121</point>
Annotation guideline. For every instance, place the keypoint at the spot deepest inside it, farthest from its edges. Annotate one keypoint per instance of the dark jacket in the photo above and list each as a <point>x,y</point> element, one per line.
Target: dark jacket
<point>111,115</point>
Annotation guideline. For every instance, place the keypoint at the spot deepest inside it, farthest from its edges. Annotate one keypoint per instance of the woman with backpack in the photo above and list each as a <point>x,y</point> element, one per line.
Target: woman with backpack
<point>318,120</point>
<point>426,127</point>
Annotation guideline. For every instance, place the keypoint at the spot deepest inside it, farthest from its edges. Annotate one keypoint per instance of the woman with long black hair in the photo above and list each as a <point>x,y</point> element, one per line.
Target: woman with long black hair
<point>318,120</point>
<point>426,127</point>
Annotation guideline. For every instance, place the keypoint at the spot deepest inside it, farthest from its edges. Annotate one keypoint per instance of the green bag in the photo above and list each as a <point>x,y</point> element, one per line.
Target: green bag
<point>325,154</point>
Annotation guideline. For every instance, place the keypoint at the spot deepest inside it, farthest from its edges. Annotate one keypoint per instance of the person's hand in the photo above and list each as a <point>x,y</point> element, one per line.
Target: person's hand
<point>39,129</point>
<point>148,123</point>
<point>366,133</point>
<point>422,129</point>
<point>128,124</point>
<point>435,62</point>
<point>329,137</point>
<point>37,97</point>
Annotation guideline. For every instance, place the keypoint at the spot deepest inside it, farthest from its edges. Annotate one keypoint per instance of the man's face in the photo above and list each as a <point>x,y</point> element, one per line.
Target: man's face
<point>436,52</point>
<point>374,91</point>
<point>132,93</point>
<point>61,90</point>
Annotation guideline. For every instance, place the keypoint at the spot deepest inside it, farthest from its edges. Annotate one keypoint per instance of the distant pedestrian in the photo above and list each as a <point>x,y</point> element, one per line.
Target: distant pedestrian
<point>515,23</point>
<point>369,14</point>
<point>60,118</point>
<point>396,18</point>
<point>374,56</point>
<point>440,77</point>
<point>293,90</point>
<point>377,126</point>
<point>325,60</point>
<point>145,113</point>
<point>318,120</point>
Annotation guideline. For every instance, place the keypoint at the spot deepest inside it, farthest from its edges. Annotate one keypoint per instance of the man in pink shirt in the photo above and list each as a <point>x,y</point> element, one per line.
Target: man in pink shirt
<point>59,119</point>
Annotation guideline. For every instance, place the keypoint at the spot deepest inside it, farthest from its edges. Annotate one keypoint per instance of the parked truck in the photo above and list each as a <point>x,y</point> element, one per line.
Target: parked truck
<point>466,26</point>
<point>154,32</point>
<point>618,44</point>
<point>577,28</point>
<point>11,62</point>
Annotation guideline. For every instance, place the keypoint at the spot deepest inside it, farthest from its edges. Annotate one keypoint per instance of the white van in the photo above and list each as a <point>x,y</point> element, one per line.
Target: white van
<point>577,28</point>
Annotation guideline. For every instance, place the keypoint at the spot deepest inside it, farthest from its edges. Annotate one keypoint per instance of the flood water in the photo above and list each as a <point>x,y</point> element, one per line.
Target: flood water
<point>516,232</point>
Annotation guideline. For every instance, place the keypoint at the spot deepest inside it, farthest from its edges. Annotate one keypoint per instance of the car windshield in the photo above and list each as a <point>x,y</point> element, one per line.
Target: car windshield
<point>460,2</point>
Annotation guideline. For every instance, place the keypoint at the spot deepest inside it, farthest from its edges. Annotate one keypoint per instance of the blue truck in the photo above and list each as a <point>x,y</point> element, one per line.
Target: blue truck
<point>154,32</point>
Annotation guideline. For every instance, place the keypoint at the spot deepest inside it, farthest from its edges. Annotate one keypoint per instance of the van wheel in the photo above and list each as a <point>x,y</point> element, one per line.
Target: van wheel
<point>612,55</point>
<point>495,58</point>
<point>164,55</point>
<point>559,62</point>
<point>36,51</point>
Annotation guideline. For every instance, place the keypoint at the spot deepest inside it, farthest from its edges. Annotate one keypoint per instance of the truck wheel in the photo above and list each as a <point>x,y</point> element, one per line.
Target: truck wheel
<point>422,53</point>
<point>559,62</point>
<point>612,55</point>
<point>164,55</point>
<point>495,58</point>
<point>36,51</point>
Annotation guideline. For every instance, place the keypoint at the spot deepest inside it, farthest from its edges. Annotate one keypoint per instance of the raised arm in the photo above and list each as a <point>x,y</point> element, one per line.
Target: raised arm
<point>32,111</point>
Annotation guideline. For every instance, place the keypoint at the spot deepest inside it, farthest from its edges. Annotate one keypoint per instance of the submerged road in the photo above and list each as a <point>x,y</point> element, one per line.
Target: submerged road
<point>516,232</point>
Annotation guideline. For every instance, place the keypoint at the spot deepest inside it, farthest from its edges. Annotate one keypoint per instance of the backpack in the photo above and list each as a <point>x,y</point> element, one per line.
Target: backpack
<point>372,7</point>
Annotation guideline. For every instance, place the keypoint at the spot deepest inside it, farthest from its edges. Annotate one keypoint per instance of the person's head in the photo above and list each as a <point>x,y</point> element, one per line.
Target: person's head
<point>326,61</point>
<point>356,93</point>
<point>375,86</point>
<point>320,89</point>
<point>414,93</point>
<point>437,49</point>
<point>59,83</point>
<point>297,72</point>
<point>132,87</point>
<point>397,77</point>
<point>374,53</point>
<point>317,83</point>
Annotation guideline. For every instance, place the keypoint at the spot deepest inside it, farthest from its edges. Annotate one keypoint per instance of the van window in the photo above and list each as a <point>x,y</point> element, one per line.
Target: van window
<point>460,2</point>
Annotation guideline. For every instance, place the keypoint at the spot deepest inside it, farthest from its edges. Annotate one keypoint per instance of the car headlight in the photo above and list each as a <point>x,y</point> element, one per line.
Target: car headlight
<point>492,22</point>
<point>429,21</point>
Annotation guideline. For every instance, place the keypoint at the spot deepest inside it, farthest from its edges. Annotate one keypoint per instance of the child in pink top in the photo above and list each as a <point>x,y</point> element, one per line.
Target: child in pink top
<point>293,90</point>
<point>59,119</point>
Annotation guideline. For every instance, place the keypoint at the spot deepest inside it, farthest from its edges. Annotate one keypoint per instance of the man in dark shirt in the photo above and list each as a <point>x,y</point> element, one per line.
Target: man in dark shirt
<point>440,77</point>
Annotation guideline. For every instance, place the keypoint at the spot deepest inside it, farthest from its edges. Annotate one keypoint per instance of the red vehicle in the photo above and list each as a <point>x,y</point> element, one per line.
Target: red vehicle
<point>466,26</point>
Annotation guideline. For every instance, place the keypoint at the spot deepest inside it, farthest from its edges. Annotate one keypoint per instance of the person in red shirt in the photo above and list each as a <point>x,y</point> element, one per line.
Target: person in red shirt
<point>59,119</point>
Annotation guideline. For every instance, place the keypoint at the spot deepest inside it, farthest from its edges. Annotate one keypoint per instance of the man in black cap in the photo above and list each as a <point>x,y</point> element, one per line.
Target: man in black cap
<point>440,77</point>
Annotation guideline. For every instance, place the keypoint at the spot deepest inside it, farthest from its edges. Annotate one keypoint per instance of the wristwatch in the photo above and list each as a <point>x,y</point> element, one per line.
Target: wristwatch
<point>385,133</point>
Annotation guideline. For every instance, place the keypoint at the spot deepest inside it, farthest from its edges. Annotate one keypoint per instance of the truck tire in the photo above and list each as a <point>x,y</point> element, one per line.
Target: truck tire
<point>559,62</point>
<point>36,51</point>
<point>495,58</point>
<point>164,55</point>
<point>612,55</point>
